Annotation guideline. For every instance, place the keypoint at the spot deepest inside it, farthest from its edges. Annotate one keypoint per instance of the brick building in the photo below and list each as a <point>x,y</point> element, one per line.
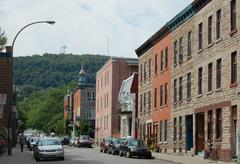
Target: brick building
<point>108,83</point>
<point>204,78</point>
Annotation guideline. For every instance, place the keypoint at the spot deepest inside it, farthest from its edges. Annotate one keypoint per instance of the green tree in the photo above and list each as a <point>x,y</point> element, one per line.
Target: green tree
<point>3,39</point>
<point>84,128</point>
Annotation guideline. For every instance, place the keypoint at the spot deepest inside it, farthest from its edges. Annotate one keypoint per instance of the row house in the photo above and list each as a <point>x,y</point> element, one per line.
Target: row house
<point>128,102</point>
<point>108,82</point>
<point>79,104</point>
<point>189,99</point>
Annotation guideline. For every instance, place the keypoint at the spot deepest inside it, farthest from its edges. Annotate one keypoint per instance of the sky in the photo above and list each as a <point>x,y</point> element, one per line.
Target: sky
<point>107,27</point>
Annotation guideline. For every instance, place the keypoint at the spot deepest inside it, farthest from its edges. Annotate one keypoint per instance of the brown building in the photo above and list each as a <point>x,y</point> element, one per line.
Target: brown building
<point>108,82</point>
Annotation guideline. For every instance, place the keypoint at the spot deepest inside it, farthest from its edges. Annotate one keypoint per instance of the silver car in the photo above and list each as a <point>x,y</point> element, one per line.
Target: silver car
<point>47,148</point>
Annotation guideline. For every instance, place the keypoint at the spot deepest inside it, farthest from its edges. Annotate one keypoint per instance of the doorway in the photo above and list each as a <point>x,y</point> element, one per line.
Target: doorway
<point>200,135</point>
<point>189,132</point>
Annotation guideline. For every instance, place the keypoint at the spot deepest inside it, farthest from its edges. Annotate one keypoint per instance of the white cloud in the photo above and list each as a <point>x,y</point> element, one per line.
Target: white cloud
<point>84,25</point>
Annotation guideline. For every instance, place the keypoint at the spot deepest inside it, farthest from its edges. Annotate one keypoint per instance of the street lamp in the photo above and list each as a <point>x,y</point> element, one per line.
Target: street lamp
<point>10,93</point>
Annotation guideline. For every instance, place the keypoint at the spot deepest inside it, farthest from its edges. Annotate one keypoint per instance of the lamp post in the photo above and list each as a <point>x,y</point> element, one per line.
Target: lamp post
<point>10,117</point>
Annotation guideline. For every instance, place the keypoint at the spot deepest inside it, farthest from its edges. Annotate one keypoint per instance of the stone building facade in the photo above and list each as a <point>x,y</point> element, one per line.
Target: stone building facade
<point>145,94</point>
<point>108,83</point>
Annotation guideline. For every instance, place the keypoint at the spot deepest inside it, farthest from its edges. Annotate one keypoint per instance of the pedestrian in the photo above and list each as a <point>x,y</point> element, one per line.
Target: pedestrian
<point>21,141</point>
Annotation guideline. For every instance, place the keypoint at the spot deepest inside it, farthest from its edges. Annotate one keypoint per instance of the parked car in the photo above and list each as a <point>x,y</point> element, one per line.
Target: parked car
<point>114,145</point>
<point>64,140</point>
<point>84,141</point>
<point>104,144</point>
<point>71,141</point>
<point>133,147</point>
<point>32,142</point>
<point>46,148</point>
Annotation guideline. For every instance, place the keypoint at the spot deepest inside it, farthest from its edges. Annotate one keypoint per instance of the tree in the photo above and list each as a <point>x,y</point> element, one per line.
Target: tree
<point>84,128</point>
<point>3,39</point>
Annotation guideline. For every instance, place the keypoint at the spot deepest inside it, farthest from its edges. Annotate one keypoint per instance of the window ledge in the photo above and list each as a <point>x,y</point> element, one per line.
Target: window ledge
<point>175,65</point>
<point>160,143</point>
<point>174,142</point>
<point>209,92</point>
<point>180,101</point>
<point>166,68</point>
<point>175,103</point>
<point>189,57</point>
<point>233,85</point>
<point>200,50</point>
<point>210,45</point>
<point>189,99</point>
<point>166,105</point>
<point>218,140</point>
<point>218,40</point>
<point>199,95</point>
<point>231,33</point>
<point>161,72</point>
<point>165,142</point>
<point>180,142</point>
<point>161,107</point>
<point>218,89</point>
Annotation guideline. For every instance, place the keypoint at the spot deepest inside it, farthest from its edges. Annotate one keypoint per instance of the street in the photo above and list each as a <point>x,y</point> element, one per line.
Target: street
<point>78,155</point>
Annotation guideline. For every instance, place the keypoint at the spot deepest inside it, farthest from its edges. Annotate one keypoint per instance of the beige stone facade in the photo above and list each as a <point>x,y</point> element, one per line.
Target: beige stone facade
<point>145,96</point>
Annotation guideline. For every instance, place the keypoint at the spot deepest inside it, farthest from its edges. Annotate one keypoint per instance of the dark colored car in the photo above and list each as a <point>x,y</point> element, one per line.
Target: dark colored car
<point>84,141</point>
<point>65,140</point>
<point>134,147</point>
<point>114,146</point>
<point>104,145</point>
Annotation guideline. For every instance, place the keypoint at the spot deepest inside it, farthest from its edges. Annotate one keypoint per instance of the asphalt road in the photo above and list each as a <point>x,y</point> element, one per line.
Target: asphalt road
<point>93,156</point>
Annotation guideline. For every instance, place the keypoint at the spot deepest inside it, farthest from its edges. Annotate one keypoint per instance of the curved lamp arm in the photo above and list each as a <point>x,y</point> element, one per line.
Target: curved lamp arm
<point>48,22</point>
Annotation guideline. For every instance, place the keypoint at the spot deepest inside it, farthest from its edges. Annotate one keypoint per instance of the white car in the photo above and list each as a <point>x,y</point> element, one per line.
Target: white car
<point>32,142</point>
<point>48,148</point>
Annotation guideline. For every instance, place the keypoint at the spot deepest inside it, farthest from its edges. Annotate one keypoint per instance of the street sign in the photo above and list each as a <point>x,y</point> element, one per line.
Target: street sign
<point>3,98</point>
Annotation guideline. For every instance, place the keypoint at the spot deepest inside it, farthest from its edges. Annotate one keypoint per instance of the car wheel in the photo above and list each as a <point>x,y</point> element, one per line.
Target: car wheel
<point>101,150</point>
<point>128,154</point>
<point>120,153</point>
<point>113,152</point>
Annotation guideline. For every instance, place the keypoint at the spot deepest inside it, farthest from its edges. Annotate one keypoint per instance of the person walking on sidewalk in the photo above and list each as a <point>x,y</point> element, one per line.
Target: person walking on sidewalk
<point>21,141</point>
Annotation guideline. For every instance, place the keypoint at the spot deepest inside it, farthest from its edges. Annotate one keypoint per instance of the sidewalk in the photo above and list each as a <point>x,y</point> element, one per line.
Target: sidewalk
<point>17,157</point>
<point>186,159</point>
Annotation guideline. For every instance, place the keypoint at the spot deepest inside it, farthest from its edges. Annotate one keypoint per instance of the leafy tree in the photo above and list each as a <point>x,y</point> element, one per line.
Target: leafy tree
<point>3,39</point>
<point>84,128</point>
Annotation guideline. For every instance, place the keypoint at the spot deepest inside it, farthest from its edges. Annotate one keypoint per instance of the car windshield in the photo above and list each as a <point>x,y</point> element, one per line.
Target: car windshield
<point>134,143</point>
<point>84,137</point>
<point>48,142</point>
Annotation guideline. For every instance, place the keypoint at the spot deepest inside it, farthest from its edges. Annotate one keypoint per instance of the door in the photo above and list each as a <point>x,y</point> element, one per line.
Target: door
<point>189,132</point>
<point>200,132</point>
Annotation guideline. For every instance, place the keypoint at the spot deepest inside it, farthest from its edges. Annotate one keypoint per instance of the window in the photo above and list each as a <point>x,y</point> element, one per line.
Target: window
<point>144,102</point>
<point>210,75</point>
<point>218,123</point>
<point>101,81</point>
<point>149,68</point>
<point>200,35</point>
<point>141,102</point>
<point>98,84</point>
<point>165,133</point>
<point>156,67</point>
<point>141,73</point>
<point>210,123</point>
<point>175,129</point>
<point>233,15</point>
<point>161,131</point>
<point>166,93</point>
<point>149,100</point>
<point>89,96</point>
<point>175,91</point>
<point>155,98</point>
<point>89,113</point>
<point>166,57</point>
<point>175,53</point>
<point>189,53</point>
<point>162,60</point>
<point>180,89</point>
<point>218,73</point>
<point>180,50</point>
<point>189,85</point>
<point>180,128</point>
<point>97,105</point>
<point>161,95</point>
<point>107,100</point>
<point>218,24</point>
<point>210,30</point>
<point>145,71</point>
<point>101,102</point>
<point>234,67</point>
<point>200,71</point>
<point>93,96</point>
